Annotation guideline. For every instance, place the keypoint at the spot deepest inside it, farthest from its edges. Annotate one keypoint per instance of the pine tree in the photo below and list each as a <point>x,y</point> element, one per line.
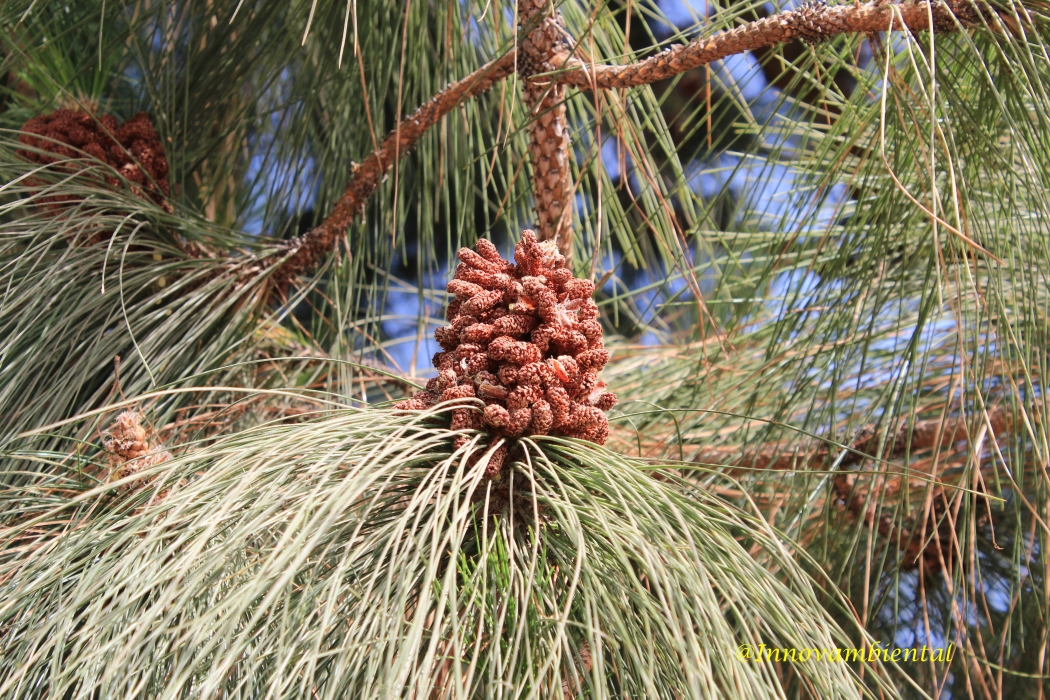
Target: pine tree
<point>230,467</point>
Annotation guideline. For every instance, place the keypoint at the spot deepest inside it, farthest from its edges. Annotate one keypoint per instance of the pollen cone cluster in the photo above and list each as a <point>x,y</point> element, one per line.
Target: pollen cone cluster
<point>131,447</point>
<point>524,338</point>
<point>133,149</point>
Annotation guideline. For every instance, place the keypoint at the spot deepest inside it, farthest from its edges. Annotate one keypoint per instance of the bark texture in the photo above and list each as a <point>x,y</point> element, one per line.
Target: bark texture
<point>545,39</point>
<point>813,22</point>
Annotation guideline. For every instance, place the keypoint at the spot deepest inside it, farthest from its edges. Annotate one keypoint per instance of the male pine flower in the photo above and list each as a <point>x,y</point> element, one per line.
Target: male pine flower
<point>132,149</point>
<point>525,338</point>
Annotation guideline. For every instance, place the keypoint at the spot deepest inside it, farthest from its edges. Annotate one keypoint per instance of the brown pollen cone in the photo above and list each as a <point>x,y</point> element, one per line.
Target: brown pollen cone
<point>133,149</point>
<point>131,447</point>
<point>524,338</point>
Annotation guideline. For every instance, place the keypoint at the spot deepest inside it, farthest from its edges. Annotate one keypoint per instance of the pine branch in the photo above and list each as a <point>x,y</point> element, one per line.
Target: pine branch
<point>547,67</point>
<point>908,438</point>
<point>813,22</point>
<point>929,543</point>
<point>307,251</point>
<point>549,126</point>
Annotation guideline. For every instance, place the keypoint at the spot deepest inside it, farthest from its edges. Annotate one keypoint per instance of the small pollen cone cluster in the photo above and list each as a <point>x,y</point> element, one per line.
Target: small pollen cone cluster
<point>131,447</point>
<point>525,338</point>
<point>133,149</point>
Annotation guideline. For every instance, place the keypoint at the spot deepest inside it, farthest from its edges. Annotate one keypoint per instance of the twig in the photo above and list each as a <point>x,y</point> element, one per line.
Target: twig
<point>549,126</point>
<point>930,543</point>
<point>813,22</point>
<point>909,437</point>
<point>307,251</point>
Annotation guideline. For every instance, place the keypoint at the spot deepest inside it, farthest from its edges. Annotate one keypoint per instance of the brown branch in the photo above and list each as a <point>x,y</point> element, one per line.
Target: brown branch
<point>925,538</point>
<point>909,437</point>
<point>812,22</point>
<point>307,251</point>
<point>549,127</point>
<point>545,50</point>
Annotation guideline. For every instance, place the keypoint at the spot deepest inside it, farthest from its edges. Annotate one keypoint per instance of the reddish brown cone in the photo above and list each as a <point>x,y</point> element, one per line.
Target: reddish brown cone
<point>132,149</point>
<point>525,339</point>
